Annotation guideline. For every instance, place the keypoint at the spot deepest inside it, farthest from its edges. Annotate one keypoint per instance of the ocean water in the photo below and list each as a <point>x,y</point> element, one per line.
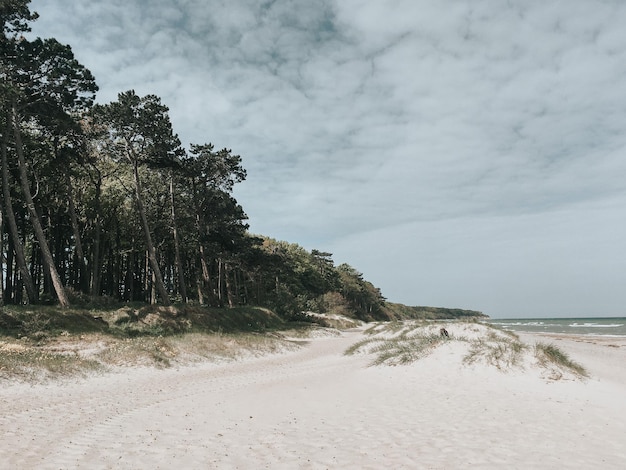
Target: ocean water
<point>613,326</point>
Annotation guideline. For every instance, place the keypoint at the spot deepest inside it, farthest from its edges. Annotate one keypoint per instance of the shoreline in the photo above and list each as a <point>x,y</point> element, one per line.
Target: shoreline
<point>316,408</point>
<point>592,326</point>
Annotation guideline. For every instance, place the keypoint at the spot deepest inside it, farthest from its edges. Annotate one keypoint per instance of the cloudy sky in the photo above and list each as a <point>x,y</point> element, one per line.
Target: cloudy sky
<point>459,153</point>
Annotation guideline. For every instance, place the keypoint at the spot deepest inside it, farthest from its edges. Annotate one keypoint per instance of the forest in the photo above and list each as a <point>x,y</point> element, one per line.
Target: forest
<point>101,203</point>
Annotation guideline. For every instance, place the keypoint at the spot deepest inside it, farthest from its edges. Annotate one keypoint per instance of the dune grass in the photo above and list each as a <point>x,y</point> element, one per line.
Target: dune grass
<point>30,364</point>
<point>551,354</point>
<point>496,348</point>
<point>399,350</point>
<point>65,357</point>
<point>396,343</point>
<point>405,342</point>
<point>400,343</point>
<point>39,343</point>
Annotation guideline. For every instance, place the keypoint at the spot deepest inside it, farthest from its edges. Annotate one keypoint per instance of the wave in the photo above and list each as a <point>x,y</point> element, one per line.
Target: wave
<point>580,326</point>
<point>595,325</point>
<point>525,323</point>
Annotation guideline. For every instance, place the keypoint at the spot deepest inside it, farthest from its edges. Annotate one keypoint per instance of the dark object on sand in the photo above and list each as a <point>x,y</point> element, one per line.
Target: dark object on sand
<point>443,332</point>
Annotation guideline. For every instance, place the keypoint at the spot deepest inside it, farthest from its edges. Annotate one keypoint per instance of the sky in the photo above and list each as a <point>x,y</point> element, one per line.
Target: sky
<point>458,153</point>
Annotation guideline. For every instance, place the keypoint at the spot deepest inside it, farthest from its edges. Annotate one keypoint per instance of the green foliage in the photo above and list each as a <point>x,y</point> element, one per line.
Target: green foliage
<point>295,279</point>
<point>298,280</point>
<point>140,130</point>
<point>216,170</point>
<point>15,15</point>
<point>365,299</point>
<point>431,313</point>
<point>65,86</point>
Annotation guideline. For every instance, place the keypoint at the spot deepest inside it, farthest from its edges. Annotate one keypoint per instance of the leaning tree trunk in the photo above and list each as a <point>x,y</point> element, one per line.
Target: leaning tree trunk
<point>18,248</point>
<point>34,216</point>
<point>158,277</point>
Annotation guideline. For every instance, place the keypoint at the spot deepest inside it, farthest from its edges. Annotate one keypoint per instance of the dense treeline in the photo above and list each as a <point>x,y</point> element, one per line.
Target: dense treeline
<point>102,202</point>
<point>431,313</point>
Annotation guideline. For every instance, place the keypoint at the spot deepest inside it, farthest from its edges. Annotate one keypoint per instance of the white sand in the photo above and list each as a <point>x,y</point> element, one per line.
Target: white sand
<point>316,409</point>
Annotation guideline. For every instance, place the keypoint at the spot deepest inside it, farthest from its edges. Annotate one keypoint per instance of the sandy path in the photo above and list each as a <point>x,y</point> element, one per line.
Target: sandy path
<point>316,408</point>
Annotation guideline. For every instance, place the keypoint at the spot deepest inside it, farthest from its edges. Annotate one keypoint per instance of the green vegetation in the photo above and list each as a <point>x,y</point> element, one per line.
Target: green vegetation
<point>39,364</point>
<point>397,343</point>
<point>431,313</point>
<point>133,320</point>
<point>551,354</point>
<point>43,342</point>
<point>404,342</point>
<point>398,350</point>
<point>498,348</point>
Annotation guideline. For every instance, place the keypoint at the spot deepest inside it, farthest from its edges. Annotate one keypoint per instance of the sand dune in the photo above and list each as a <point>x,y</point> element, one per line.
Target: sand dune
<point>317,408</point>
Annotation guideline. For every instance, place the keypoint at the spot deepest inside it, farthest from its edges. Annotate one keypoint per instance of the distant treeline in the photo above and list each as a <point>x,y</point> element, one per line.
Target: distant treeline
<point>431,313</point>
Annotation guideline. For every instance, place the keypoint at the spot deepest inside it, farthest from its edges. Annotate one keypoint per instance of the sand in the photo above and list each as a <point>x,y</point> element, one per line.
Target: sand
<point>317,408</point>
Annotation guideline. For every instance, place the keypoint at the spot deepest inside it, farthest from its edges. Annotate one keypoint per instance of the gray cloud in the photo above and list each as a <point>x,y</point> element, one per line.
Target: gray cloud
<point>459,153</point>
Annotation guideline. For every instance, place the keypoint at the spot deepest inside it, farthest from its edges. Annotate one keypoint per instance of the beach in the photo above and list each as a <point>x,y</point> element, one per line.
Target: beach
<point>318,408</point>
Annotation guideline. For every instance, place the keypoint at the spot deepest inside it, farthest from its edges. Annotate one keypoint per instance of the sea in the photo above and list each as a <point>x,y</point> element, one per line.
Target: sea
<point>610,326</point>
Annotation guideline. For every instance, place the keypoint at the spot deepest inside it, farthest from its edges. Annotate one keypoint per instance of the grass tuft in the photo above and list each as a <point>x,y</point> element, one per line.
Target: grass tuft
<point>498,350</point>
<point>549,353</point>
<point>32,364</point>
<point>396,343</point>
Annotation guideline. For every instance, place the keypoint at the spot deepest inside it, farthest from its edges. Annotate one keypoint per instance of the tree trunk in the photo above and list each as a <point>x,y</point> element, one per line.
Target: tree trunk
<point>36,222</point>
<point>18,248</point>
<point>229,289</point>
<point>115,262</point>
<point>199,287</point>
<point>9,295</point>
<point>1,259</point>
<point>80,256</point>
<point>158,278</point>
<point>129,283</point>
<point>153,294</point>
<point>220,277</point>
<point>145,277</point>
<point>177,259</point>
<point>95,268</point>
